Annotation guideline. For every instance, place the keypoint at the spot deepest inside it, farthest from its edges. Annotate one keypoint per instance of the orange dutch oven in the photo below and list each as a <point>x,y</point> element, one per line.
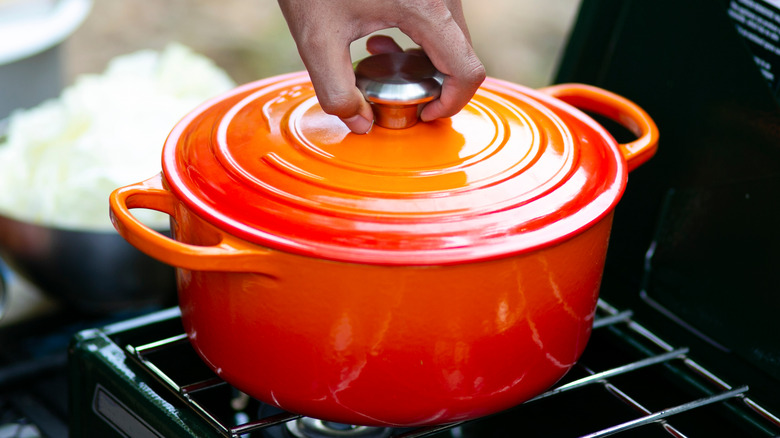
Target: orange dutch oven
<point>413,276</point>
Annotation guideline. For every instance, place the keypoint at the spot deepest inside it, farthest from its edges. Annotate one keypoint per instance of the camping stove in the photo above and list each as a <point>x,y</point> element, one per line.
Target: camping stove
<point>142,378</point>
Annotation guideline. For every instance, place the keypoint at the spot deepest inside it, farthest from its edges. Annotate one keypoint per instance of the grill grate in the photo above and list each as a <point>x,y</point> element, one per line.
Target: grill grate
<point>14,423</point>
<point>642,373</point>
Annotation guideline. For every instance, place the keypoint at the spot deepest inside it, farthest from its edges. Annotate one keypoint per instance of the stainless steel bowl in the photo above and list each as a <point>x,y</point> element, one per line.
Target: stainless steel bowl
<point>90,271</point>
<point>31,57</point>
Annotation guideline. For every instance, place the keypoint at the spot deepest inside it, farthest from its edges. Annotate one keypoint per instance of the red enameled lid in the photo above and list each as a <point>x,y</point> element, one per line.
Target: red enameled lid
<point>514,171</point>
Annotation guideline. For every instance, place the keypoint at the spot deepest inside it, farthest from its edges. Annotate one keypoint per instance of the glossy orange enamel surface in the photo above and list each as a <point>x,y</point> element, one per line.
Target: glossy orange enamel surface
<point>375,344</point>
<point>391,345</point>
<point>409,277</point>
<point>514,171</point>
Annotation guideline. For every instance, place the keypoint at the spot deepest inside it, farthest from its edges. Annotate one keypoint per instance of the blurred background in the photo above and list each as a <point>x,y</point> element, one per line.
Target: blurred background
<point>46,45</point>
<point>517,40</point>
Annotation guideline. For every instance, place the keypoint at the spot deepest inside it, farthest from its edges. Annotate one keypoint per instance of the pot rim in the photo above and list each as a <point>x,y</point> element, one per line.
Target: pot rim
<point>504,242</point>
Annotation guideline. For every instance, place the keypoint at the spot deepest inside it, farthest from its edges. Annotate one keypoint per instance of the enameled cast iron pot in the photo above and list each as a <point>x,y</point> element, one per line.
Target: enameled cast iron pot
<point>404,277</point>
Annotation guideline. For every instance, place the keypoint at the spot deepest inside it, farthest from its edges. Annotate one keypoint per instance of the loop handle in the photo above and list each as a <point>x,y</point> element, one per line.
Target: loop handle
<point>228,254</point>
<point>619,109</point>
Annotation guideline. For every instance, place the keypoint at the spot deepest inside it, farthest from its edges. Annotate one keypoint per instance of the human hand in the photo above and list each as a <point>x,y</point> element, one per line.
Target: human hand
<point>324,29</point>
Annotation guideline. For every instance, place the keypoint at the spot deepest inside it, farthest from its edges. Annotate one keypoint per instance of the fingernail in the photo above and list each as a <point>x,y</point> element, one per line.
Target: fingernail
<point>425,114</point>
<point>359,124</point>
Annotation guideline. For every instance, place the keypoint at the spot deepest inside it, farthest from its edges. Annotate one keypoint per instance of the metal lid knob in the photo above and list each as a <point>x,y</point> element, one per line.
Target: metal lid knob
<point>397,85</point>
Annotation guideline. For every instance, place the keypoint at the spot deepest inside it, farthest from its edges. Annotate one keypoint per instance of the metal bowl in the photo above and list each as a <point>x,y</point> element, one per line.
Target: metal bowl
<point>90,271</point>
<point>31,57</point>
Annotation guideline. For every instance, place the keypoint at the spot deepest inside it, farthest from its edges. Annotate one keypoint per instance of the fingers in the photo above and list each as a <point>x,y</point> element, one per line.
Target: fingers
<point>334,82</point>
<point>323,31</point>
<point>382,44</point>
<point>446,41</point>
<point>457,90</point>
<point>325,54</point>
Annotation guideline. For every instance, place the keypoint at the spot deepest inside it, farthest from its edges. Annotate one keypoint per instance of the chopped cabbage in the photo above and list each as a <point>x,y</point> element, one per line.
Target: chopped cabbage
<point>61,159</point>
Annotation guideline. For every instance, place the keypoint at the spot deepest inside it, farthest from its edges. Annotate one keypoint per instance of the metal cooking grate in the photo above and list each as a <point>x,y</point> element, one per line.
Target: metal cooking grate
<point>14,423</point>
<point>651,387</point>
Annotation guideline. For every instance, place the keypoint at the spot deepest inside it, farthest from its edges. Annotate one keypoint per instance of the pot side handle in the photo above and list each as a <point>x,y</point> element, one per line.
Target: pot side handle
<point>616,108</point>
<point>228,254</point>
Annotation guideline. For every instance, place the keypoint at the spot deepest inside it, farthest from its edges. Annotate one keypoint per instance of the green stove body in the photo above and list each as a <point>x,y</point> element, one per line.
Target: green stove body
<point>114,392</point>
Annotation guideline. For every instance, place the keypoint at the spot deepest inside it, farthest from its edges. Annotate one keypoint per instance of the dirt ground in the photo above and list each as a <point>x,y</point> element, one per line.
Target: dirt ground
<point>517,40</point>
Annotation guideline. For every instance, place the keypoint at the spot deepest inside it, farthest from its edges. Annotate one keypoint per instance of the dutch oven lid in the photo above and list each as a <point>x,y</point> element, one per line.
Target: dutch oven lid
<point>514,171</point>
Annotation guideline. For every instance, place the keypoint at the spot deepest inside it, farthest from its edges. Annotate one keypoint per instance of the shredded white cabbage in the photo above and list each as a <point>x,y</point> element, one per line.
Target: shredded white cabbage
<point>62,159</point>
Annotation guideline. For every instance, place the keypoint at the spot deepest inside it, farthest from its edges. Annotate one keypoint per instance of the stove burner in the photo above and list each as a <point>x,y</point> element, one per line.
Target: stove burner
<point>307,427</point>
